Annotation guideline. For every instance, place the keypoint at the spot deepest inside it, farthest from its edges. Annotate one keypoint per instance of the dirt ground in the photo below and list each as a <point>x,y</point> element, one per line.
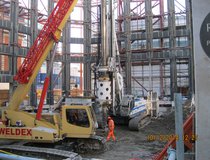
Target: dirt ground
<point>133,145</point>
<point>142,145</point>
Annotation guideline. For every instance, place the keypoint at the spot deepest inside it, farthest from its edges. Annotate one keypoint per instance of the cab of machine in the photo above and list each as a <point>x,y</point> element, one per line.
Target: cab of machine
<point>78,121</point>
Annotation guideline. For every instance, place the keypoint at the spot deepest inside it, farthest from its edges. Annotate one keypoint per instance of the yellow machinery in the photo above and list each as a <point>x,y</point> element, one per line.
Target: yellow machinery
<point>71,121</point>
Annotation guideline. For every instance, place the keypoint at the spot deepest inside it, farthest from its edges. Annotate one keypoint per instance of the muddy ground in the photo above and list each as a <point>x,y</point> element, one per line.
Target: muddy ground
<point>142,145</point>
<point>133,145</point>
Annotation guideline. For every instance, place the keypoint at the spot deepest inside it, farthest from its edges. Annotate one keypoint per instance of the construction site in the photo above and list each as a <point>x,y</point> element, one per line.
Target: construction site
<point>104,80</point>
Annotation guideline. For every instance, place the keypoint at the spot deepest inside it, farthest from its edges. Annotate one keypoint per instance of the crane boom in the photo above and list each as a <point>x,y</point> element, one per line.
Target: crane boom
<point>50,33</point>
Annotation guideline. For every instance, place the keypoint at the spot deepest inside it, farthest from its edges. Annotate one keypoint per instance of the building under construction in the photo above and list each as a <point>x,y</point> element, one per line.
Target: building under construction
<point>158,47</point>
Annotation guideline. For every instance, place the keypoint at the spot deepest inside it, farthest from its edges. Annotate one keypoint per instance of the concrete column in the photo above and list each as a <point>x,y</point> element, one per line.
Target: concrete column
<point>200,10</point>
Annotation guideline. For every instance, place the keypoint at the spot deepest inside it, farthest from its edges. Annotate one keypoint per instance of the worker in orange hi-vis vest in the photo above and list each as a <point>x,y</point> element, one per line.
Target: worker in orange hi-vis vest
<point>111,129</point>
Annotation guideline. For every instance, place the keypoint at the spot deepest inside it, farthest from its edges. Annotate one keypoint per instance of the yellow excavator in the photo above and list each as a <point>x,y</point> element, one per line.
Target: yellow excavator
<point>72,121</point>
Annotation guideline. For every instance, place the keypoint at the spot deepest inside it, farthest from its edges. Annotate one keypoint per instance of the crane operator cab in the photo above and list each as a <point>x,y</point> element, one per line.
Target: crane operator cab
<point>79,121</point>
<point>72,122</point>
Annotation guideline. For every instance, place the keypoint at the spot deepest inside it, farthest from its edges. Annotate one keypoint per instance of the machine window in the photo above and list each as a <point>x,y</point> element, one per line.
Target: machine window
<point>77,117</point>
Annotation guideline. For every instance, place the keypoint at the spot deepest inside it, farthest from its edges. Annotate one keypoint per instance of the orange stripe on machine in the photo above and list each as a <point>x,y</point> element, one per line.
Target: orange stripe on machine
<point>16,131</point>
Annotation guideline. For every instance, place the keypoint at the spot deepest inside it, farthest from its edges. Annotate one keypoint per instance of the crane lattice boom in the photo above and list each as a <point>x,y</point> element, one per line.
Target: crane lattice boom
<point>42,41</point>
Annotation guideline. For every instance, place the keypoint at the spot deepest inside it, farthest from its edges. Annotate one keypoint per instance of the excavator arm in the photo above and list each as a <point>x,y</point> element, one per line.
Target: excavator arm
<point>38,52</point>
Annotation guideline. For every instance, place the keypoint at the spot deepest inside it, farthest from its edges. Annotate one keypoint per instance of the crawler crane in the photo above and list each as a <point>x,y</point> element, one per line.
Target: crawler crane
<point>52,127</point>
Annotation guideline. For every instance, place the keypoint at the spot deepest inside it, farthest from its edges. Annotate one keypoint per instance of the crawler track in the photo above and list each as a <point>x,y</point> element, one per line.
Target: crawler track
<point>135,124</point>
<point>93,144</point>
<point>48,152</point>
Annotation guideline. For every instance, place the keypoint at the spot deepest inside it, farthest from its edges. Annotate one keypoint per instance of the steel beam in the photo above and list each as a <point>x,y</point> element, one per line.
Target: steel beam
<point>190,43</point>
<point>5,24</point>
<point>104,31</point>
<point>181,31</point>
<point>66,63</point>
<point>13,41</point>
<point>5,78</point>
<point>137,55</point>
<point>127,29</point>
<point>140,35</point>
<point>50,93</point>
<point>87,47</point>
<point>172,46</point>
<point>149,38</point>
<point>33,33</point>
